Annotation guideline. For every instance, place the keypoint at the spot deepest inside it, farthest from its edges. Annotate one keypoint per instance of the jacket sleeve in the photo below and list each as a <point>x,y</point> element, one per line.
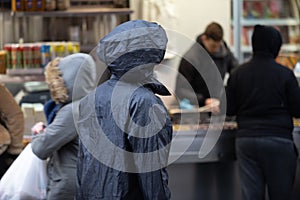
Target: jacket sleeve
<point>154,184</point>
<point>60,132</point>
<point>293,95</point>
<point>233,63</point>
<point>186,75</point>
<point>231,94</point>
<point>13,119</point>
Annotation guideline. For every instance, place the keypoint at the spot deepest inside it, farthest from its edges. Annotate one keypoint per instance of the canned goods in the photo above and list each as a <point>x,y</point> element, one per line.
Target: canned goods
<point>76,47</point>
<point>7,48</point>
<point>45,54</point>
<point>27,56</point>
<point>16,56</point>
<point>59,50</point>
<point>36,56</point>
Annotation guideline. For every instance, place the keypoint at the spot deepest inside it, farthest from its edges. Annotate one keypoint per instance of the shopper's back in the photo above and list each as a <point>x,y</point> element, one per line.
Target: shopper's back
<point>268,92</point>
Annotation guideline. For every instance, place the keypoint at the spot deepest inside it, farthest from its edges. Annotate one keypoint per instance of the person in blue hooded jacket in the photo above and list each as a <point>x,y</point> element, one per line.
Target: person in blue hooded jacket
<point>264,96</point>
<point>124,128</point>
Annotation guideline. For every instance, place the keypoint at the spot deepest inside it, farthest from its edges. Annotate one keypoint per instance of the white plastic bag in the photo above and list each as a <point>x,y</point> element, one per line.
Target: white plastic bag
<point>26,178</point>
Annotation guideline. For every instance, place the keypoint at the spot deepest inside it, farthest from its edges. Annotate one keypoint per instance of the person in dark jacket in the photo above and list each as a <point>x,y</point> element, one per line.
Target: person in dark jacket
<point>264,96</point>
<point>11,129</point>
<point>124,128</point>
<point>69,79</point>
<point>195,61</point>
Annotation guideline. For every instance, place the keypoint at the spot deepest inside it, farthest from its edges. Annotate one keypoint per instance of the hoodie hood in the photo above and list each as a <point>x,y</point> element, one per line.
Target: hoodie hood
<point>71,78</point>
<point>267,40</point>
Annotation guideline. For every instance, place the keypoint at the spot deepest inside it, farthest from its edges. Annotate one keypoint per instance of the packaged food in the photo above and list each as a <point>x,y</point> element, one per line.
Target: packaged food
<point>50,5</point>
<point>36,52</point>
<point>40,5</point>
<point>27,56</point>
<point>16,56</point>
<point>17,5</point>
<point>76,47</point>
<point>59,50</point>
<point>45,54</point>
<point>3,62</point>
<point>62,4</point>
<point>30,5</point>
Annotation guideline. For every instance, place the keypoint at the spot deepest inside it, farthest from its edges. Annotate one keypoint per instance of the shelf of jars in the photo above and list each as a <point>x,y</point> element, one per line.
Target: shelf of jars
<point>76,12</point>
<point>82,21</point>
<point>22,62</point>
<point>284,48</point>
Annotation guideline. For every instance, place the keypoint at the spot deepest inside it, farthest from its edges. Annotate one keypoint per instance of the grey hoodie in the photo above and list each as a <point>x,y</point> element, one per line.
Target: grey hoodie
<point>69,79</point>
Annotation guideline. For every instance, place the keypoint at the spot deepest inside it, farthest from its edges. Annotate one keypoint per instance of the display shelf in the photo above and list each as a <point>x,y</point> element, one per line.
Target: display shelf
<point>87,48</point>
<point>20,79</point>
<point>77,12</point>
<point>30,71</point>
<point>284,48</point>
<point>22,75</point>
<point>84,23</point>
<point>271,22</point>
<point>282,14</point>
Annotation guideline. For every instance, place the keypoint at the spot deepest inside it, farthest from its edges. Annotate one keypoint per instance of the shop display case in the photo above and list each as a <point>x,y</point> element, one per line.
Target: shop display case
<point>202,156</point>
<point>82,22</point>
<point>214,176</point>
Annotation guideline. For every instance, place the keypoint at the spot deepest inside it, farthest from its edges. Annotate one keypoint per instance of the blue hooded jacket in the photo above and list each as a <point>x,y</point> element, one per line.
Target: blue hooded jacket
<point>124,128</point>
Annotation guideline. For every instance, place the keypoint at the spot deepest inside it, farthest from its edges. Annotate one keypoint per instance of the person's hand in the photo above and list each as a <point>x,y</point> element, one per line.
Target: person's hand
<point>214,105</point>
<point>38,128</point>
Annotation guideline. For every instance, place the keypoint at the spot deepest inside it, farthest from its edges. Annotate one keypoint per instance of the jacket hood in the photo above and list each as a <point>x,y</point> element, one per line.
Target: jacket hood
<point>71,78</point>
<point>135,46</point>
<point>132,49</point>
<point>267,40</point>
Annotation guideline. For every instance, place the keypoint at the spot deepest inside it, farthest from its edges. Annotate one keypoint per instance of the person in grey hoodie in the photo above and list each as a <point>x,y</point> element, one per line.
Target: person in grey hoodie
<point>69,79</point>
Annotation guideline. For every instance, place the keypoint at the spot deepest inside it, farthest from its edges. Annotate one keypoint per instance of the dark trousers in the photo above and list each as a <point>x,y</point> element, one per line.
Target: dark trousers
<point>266,163</point>
<point>3,164</point>
<point>6,160</point>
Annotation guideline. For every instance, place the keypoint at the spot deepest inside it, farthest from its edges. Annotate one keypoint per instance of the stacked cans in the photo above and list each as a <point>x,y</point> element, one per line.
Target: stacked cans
<point>37,55</point>
<point>31,56</point>
<point>22,56</point>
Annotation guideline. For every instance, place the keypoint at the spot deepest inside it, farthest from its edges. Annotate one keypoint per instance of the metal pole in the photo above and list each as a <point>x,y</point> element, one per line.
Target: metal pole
<point>2,30</point>
<point>237,9</point>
